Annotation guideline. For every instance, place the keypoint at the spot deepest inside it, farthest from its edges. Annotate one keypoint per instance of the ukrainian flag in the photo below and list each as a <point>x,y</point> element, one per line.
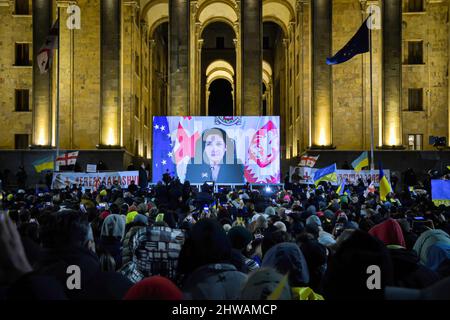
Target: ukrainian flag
<point>385,186</point>
<point>44,164</point>
<point>440,192</point>
<point>361,162</point>
<point>326,174</point>
<point>340,190</point>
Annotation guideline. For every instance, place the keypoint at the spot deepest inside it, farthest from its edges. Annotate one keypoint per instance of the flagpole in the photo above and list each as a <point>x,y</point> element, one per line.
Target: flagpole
<point>57,89</point>
<point>372,162</point>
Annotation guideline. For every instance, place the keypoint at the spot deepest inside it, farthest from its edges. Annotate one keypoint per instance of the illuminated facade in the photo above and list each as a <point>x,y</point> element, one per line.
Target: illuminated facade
<point>132,60</point>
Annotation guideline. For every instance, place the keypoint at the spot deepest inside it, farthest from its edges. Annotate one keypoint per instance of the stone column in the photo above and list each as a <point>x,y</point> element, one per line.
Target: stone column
<point>284,108</point>
<point>198,77</point>
<point>151,48</point>
<point>179,57</point>
<point>42,102</point>
<point>392,72</point>
<point>193,57</point>
<point>251,53</point>
<point>238,77</point>
<point>110,17</point>
<point>321,11</point>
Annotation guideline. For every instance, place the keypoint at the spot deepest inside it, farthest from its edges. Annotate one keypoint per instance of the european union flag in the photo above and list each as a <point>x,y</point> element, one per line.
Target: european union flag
<point>326,174</point>
<point>357,45</point>
<point>162,149</point>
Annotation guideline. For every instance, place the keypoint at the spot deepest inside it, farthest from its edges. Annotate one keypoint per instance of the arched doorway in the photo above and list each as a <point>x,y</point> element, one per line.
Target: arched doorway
<point>220,98</point>
<point>218,61</point>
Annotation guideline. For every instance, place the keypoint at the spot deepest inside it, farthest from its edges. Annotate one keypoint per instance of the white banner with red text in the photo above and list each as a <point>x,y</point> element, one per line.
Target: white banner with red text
<point>94,180</point>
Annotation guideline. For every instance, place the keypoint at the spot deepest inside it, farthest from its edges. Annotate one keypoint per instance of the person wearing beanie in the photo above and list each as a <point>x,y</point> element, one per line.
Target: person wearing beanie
<point>131,215</point>
<point>280,226</point>
<point>112,233</point>
<point>240,238</point>
<point>154,288</point>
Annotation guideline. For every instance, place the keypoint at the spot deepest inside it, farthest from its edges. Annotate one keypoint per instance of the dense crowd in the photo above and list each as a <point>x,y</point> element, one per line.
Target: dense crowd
<point>173,241</point>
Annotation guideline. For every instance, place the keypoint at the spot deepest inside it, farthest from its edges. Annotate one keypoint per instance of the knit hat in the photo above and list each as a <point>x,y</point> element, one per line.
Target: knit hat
<point>270,211</point>
<point>154,288</point>
<point>130,216</point>
<point>313,220</point>
<point>103,193</point>
<point>113,226</point>
<point>280,226</point>
<point>262,283</point>
<point>239,237</point>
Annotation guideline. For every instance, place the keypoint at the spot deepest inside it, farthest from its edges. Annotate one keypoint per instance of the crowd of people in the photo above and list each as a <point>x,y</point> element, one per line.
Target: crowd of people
<point>173,241</point>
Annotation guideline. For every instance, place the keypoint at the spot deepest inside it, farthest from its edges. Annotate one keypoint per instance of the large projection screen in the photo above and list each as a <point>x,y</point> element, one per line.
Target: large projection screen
<point>227,150</point>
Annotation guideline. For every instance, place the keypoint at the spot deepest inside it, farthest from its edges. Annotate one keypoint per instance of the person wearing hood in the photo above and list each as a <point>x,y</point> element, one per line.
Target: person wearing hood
<point>390,232</point>
<point>426,240</point>
<point>204,266</point>
<point>287,258</point>
<point>438,258</point>
<point>139,221</point>
<point>240,238</point>
<point>264,284</point>
<point>408,272</point>
<point>112,233</point>
<point>324,238</point>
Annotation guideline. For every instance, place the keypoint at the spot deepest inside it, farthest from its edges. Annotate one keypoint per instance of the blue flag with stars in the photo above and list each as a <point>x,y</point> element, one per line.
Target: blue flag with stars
<point>357,45</point>
<point>162,149</point>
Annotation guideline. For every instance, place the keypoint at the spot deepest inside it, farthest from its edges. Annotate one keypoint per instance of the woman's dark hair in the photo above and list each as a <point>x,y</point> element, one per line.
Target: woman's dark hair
<point>229,143</point>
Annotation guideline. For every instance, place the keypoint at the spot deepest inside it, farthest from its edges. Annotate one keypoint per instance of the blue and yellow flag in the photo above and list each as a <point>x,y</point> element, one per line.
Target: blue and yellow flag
<point>440,192</point>
<point>340,190</point>
<point>361,162</point>
<point>46,163</point>
<point>326,174</point>
<point>385,186</point>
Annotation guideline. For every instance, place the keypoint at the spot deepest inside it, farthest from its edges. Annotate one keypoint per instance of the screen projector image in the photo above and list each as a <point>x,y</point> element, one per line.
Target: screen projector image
<point>227,150</point>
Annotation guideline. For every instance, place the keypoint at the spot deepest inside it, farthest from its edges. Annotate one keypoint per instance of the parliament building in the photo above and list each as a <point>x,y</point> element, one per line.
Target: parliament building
<point>122,62</point>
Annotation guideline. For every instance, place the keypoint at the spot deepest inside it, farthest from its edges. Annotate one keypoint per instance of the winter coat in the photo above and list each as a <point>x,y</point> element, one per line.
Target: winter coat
<point>219,281</point>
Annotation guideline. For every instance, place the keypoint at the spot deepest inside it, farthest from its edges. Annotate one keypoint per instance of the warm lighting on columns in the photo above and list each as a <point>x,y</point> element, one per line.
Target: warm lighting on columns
<point>110,134</point>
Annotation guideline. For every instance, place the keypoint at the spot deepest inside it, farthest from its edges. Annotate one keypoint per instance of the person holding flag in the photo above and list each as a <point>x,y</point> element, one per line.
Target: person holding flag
<point>341,189</point>
<point>385,186</point>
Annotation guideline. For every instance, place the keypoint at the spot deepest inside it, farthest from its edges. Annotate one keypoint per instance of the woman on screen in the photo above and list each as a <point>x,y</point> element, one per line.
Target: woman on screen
<point>217,161</point>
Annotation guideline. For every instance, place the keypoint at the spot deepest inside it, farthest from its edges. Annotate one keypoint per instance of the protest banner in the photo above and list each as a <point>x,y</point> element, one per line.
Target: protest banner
<point>94,180</point>
<point>305,175</point>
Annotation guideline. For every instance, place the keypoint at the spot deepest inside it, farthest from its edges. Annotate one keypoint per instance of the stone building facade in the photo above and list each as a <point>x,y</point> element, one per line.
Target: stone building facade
<point>132,60</point>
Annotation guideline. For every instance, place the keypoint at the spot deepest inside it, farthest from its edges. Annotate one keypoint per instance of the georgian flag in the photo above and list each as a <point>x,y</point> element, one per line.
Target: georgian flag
<point>67,159</point>
<point>308,161</point>
<point>44,56</point>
